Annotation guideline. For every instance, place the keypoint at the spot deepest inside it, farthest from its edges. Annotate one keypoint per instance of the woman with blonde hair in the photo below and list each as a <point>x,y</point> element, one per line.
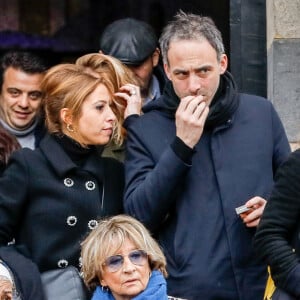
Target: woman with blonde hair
<point>122,261</point>
<point>52,196</point>
<point>97,64</point>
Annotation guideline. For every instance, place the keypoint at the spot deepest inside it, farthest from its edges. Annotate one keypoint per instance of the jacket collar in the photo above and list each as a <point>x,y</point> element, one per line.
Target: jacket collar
<point>222,108</point>
<point>62,163</point>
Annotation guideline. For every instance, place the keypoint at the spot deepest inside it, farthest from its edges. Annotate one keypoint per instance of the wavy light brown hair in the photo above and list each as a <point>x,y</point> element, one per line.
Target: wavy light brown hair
<point>100,65</point>
<point>67,86</point>
<point>108,238</point>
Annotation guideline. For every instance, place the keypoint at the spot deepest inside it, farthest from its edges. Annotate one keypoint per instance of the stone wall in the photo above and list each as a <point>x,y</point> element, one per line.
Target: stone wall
<point>283,46</point>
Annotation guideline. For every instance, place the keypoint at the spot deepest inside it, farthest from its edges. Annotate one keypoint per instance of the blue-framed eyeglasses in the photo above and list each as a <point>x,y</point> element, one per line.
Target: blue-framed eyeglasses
<point>115,262</point>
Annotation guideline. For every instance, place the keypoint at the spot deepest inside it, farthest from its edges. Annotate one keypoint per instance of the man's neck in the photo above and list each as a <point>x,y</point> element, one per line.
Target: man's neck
<point>19,132</point>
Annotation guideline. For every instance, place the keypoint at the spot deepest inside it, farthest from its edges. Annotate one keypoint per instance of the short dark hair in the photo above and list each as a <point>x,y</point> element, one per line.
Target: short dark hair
<point>25,61</point>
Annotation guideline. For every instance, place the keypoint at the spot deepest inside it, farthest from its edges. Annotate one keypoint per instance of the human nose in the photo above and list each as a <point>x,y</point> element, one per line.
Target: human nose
<point>194,84</point>
<point>111,115</point>
<point>128,266</point>
<point>137,70</point>
<point>23,101</point>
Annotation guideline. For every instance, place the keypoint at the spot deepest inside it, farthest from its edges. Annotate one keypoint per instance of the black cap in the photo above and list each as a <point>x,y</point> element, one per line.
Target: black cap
<point>129,40</point>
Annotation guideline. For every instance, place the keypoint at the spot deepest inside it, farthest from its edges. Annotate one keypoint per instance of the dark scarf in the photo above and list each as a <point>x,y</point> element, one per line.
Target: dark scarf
<point>75,151</point>
<point>156,290</point>
<point>222,107</point>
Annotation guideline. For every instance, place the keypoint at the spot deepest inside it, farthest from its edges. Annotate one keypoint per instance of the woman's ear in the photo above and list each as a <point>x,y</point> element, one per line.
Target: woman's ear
<point>66,116</point>
<point>103,283</point>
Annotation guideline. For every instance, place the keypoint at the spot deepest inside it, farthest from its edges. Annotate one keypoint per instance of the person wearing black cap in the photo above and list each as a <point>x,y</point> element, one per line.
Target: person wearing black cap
<point>134,43</point>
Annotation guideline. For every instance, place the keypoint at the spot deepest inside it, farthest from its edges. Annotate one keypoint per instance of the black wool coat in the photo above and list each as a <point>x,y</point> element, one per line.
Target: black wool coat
<point>49,204</point>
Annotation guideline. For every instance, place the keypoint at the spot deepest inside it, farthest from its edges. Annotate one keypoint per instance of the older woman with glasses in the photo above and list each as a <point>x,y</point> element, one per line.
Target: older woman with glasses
<point>121,261</point>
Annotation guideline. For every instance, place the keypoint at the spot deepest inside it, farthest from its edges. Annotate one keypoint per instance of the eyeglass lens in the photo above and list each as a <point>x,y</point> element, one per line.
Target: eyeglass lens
<point>115,262</point>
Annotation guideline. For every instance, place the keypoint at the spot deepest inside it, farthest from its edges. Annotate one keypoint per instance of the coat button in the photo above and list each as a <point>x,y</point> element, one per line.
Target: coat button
<point>92,224</point>
<point>90,185</point>
<point>68,182</point>
<point>71,220</point>
<point>62,263</point>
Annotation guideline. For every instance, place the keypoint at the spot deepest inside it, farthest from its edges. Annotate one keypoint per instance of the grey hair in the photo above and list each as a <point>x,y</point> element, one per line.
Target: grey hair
<point>188,26</point>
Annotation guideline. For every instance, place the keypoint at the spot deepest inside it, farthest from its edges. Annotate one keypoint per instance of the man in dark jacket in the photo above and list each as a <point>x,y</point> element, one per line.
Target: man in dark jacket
<point>198,153</point>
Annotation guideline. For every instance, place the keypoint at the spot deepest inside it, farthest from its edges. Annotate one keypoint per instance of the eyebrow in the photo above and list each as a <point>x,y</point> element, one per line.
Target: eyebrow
<point>182,70</point>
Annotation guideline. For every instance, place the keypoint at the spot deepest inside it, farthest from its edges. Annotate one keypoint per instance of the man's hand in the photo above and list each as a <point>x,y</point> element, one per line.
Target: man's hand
<point>252,217</point>
<point>190,119</point>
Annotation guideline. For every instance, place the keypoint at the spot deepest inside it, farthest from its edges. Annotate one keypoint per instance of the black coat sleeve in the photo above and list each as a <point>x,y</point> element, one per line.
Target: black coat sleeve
<point>277,235</point>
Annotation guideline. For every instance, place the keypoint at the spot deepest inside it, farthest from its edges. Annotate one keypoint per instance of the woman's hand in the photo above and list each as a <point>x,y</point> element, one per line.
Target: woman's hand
<point>131,94</point>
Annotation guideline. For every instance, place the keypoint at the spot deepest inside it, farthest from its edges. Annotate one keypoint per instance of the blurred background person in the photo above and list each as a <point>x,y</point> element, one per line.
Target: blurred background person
<point>277,236</point>
<point>135,44</point>
<point>21,74</point>
<point>120,260</point>
<point>51,196</point>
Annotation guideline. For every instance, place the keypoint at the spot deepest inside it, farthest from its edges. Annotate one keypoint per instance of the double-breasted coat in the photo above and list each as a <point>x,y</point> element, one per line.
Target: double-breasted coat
<point>48,203</point>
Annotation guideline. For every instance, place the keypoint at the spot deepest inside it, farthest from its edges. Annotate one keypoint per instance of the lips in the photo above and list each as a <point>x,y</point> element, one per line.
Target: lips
<point>22,115</point>
<point>108,130</point>
<point>130,281</point>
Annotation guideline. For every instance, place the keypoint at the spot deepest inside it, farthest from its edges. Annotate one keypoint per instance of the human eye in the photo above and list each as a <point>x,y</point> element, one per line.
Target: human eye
<point>181,75</point>
<point>114,262</point>
<point>99,107</point>
<point>203,71</point>
<point>35,95</point>
<point>14,92</point>
<point>137,256</point>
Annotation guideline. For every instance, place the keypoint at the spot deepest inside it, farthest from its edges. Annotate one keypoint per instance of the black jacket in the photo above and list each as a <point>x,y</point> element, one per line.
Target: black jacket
<point>188,198</point>
<point>278,232</point>
<point>48,204</point>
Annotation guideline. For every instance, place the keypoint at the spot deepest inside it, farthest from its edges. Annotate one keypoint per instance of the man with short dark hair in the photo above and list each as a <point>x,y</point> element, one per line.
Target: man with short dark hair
<point>21,73</point>
<point>196,154</point>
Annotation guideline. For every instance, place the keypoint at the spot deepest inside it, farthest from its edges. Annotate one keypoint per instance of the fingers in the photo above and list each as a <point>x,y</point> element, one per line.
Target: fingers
<point>131,94</point>
<point>252,217</point>
<point>130,89</point>
<point>190,117</point>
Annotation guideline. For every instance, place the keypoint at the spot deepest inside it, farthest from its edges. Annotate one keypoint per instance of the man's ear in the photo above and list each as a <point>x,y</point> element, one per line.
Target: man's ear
<point>223,63</point>
<point>155,57</point>
<point>167,71</point>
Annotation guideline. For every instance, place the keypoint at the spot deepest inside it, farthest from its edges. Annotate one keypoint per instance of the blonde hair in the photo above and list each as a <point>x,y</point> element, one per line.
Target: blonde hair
<point>108,238</point>
<point>118,74</point>
<point>68,85</point>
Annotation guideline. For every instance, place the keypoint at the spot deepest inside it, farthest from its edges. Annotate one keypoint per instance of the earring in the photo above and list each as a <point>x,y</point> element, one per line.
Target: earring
<point>70,128</point>
<point>104,289</point>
